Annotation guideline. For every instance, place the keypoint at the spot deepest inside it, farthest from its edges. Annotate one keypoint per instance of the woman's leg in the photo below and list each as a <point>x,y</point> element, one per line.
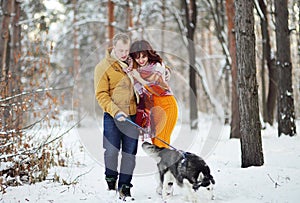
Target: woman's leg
<point>165,113</point>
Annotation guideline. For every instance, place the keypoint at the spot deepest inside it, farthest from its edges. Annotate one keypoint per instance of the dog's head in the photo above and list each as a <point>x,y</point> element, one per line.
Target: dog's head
<point>198,172</point>
<point>151,149</point>
<point>206,181</point>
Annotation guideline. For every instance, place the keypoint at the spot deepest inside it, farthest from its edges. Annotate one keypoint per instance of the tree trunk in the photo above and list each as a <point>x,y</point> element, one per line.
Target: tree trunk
<point>163,27</point>
<point>129,16</point>
<point>273,75</point>
<point>76,58</point>
<point>263,78</point>
<point>272,93</point>
<point>15,65</point>
<point>251,144</point>
<point>191,22</point>
<point>269,102</point>
<point>138,16</point>
<point>235,115</point>
<point>111,19</point>
<point>218,13</point>
<point>285,100</point>
<point>8,7</point>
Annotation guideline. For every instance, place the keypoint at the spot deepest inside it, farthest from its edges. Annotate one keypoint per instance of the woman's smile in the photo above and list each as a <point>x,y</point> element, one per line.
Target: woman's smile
<point>142,60</point>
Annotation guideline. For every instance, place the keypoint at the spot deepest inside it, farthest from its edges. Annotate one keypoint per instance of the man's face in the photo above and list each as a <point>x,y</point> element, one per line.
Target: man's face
<point>121,50</point>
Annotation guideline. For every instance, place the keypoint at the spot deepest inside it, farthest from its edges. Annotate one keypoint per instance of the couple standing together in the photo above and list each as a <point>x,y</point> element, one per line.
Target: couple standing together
<point>131,84</point>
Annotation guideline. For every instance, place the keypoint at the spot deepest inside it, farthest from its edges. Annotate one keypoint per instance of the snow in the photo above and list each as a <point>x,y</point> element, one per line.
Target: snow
<point>277,181</point>
<point>288,93</point>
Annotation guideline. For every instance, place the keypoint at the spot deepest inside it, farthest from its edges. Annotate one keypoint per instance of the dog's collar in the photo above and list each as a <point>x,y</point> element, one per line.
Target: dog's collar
<point>183,154</point>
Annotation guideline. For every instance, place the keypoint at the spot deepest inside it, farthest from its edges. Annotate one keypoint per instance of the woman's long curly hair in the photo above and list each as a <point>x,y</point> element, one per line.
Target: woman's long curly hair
<point>143,48</point>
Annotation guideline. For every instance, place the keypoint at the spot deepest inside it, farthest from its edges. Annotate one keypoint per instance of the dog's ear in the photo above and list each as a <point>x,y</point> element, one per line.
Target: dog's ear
<point>207,181</point>
<point>213,180</point>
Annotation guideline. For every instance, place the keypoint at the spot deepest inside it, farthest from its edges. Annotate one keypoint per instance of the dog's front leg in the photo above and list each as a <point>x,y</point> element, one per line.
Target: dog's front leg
<point>190,194</point>
<point>159,179</point>
<point>210,190</point>
<point>167,187</point>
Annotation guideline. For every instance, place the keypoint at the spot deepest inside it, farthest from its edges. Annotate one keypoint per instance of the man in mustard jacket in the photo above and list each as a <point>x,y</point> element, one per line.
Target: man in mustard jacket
<point>115,95</point>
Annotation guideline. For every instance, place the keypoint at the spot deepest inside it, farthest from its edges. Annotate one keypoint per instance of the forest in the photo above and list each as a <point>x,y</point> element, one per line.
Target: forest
<point>237,61</point>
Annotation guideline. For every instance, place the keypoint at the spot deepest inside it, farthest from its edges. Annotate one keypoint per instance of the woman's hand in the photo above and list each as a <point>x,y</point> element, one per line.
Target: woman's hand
<point>134,73</point>
<point>130,65</point>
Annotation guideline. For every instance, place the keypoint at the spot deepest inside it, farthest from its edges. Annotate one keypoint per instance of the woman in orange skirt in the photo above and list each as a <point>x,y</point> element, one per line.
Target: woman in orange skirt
<point>157,108</point>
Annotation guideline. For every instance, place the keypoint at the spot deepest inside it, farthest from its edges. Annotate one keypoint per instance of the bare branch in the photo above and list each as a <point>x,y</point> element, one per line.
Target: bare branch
<point>276,184</point>
<point>46,142</point>
<point>32,92</point>
<point>75,181</point>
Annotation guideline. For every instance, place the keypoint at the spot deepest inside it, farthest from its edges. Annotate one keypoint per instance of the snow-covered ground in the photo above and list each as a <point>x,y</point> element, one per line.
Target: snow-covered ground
<point>277,181</point>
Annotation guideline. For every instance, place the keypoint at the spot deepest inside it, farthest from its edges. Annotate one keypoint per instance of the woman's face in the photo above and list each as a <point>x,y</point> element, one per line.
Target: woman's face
<point>142,59</point>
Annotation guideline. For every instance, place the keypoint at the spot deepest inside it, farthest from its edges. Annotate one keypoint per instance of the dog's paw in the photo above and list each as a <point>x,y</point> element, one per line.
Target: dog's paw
<point>167,191</point>
<point>125,199</point>
<point>212,197</point>
<point>166,196</point>
<point>191,198</point>
<point>159,190</point>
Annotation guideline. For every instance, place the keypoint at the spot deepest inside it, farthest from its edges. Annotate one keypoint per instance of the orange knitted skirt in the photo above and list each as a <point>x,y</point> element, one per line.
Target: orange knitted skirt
<point>165,114</point>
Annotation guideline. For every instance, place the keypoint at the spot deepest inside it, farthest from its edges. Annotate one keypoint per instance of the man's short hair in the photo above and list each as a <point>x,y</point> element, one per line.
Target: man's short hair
<point>121,36</point>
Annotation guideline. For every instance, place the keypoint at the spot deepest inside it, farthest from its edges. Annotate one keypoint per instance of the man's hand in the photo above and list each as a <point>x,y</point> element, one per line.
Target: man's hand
<point>121,116</point>
<point>130,63</point>
<point>167,75</point>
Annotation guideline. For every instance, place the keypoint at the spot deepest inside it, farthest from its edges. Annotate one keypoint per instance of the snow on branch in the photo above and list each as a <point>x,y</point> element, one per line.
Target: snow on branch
<point>216,105</point>
<point>31,92</point>
<point>180,23</point>
<point>260,12</point>
<point>24,153</point>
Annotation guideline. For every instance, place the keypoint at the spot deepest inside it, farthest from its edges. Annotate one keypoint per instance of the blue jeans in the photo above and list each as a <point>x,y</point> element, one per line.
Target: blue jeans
<point>119,135</point>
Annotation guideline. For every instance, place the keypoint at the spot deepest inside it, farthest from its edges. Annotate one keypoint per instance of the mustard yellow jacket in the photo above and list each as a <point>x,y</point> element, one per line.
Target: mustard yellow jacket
<point>113,89</point>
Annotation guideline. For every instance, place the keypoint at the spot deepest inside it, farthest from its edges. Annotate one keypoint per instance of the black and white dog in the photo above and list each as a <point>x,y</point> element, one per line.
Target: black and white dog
<point>189,170</point>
